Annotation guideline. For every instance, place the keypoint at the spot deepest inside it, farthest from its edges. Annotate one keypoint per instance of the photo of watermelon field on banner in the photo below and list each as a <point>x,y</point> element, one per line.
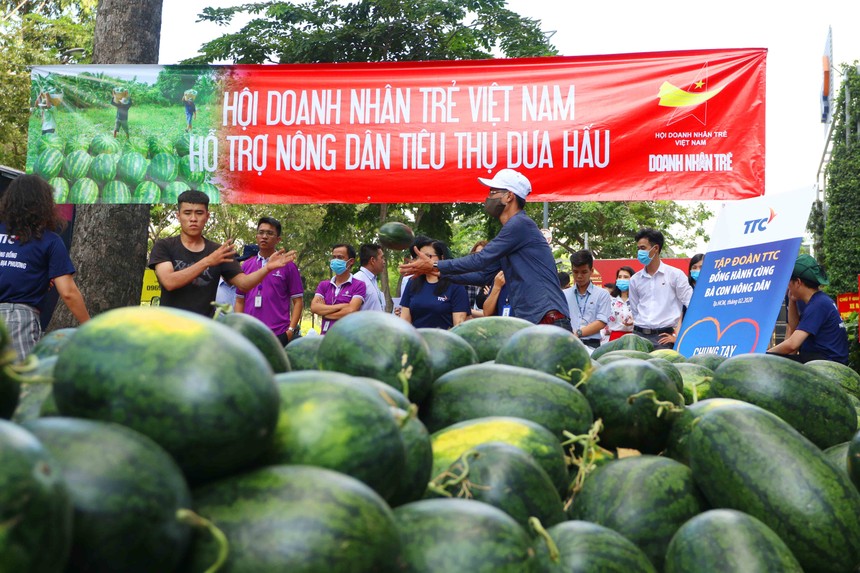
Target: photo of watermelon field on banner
<point>745,275</point>
<point>687,125</point>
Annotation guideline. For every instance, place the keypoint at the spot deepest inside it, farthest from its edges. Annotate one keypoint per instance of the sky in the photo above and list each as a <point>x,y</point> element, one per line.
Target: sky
<point>794,35</point>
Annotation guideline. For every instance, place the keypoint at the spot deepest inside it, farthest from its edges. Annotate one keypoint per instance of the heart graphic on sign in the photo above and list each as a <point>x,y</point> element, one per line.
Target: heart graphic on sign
<point>737,333</point>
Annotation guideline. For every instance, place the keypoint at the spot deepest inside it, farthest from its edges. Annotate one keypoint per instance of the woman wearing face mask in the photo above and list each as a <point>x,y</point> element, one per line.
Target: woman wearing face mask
<point>621,319</point>
<point>431,301</point>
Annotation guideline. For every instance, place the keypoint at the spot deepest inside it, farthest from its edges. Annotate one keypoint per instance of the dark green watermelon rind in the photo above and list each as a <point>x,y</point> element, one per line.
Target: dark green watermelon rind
<point>448,351</point>
<point>419,460</point>
<point>585,546</point>
<point>260,336</point>
<point>303,352</point>
<point>488,334</point>
<point>548,349</point>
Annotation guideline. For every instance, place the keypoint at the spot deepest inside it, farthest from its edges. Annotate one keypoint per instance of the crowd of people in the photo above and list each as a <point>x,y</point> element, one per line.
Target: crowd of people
<point>514,274</point>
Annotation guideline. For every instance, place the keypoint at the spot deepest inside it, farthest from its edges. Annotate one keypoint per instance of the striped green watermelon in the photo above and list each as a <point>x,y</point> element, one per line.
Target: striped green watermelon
<point>677,444</point>
<point>672,356</point>
<point>711,361</point>
<point>171,192</point>
<point>193,178</point>
<point>296,519</point>
<point>489,333</point>
<point>116,192</point>
<point>697,381</point>
<point>61,190</point>
<point>455,440</point>
<point>419,457</point>
<point>132,168</point>
<point>549,349</point>
<point>84,192</point>
<point>814,404</point>
<point>485,390</point>
<point>157,146</point>
<point>628,341</point>
<point>750,460</point>
<point>199,389</point>
<point>48,164</point>
<point>847,377</point>
<point>853,459</point>
<point>103,168</point>
<point>182,145</point>
<point>838,454</point>
<point>644,498</point>
<point>77,142</point>
<point>104,143</point>
<point>381,346</point>
<point>460,535</point>
<point>164,168</point>
<point>76,165</point>
<point>328,420</point>
<point>728,540</point>
<point>136,145</point>
<point>260,336</point>
<point>125,490</point>
<point>395,235</point>
<point>212,191</point>
<point>35,509</point>
<point>622,354</point>
<point>147,192</point>
<point>671,370</point>
<point>506,477</point>
<point>302,352</point>
<point>447,350</point>
<point>583,546</point>
<point>50,141</point>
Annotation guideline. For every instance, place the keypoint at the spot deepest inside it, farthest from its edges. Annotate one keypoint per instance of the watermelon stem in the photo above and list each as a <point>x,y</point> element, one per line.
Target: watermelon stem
<point>662,405</point>
<point>585,464</point>
<point>440,484</point>
<point>405,374</point>
<point>221,308</point>
<point>554,553</point>
<point>188,517</point>
<point>17,372</point>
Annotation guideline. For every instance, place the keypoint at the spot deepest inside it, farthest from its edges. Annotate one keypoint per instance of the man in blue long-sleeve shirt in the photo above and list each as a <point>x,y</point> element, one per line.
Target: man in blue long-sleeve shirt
<point>520,250</point>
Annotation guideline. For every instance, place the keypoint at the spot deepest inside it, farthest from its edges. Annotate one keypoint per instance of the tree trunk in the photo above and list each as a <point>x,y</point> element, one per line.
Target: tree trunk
<point>110,241</point>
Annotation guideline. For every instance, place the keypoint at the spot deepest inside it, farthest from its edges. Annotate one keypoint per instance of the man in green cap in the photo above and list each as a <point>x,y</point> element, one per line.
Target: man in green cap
<point>815,328</point>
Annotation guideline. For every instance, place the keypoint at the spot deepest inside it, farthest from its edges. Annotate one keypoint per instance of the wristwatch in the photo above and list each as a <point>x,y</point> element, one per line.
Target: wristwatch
<point>435,264</point>
<point>579,333</point>
<point>290,329</point>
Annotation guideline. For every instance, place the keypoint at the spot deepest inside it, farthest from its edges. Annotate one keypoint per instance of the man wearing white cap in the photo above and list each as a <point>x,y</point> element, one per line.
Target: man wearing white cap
<point>520,250</point>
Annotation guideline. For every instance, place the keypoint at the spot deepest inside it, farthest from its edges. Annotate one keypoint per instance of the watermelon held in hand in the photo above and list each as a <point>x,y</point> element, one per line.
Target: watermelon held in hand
<point>48,164</point>
<point>61,190</point>
<point>395,235</point>
<point>84,192</point>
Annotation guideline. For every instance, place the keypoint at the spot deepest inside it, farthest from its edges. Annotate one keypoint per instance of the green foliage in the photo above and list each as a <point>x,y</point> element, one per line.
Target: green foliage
<point>842,193</point>
<point>851,325</point>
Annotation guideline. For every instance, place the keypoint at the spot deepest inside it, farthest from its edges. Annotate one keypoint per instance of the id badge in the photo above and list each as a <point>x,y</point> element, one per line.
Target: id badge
<point>258,301</point>
<point>506,310</point>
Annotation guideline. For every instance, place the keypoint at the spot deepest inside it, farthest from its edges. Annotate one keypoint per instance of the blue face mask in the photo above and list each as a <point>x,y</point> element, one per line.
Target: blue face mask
<point>623,284</point>
<point>644,257</point>
<point>338,266</point>
<point>694,275</point>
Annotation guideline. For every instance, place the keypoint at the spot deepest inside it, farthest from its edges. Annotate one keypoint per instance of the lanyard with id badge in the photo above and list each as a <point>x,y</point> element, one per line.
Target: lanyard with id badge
<point>258,299</point>
<point>581,306</point>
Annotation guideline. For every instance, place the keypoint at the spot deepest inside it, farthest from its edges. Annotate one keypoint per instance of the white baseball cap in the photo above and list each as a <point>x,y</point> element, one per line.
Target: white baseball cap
<point>510,180</point>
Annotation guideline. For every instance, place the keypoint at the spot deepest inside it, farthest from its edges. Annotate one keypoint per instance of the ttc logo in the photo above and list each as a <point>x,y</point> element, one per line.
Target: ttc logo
<point>758,224</point>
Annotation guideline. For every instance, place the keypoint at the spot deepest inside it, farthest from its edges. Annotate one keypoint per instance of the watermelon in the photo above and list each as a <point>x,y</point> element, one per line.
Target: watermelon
<point>677,444</point>
<point>672,356</point>
<point>330,421</point>
<point>35,395</point>
<point>671,370</point>
<point>697,381</point>
<point>172,191</point>
<point>452,442</point>
<point>302,352</point>
<point>136,145</point>
<point>182,144</point>
<point>163,168</point>
<point>549,349</point>
<point>628,341</point>
<point>35,508</point>
<point>156,146</point>
<point>395,235</point>
<point>84,192</point>
<point>505,477</point>
<point>299,519</point>
<point>76,165</point>
<point>132,168</point>
<point>147,192</point>
<point>199,389</point>
<point>583,546</point>
<point>462,535</point>
<point>644,498</point>
<point>485,390</point>
<point>838,454</point>
<point>816,406</point>
<point>61,190</point>
<point>419,458</point>
<point>845,375</point>
<point>261,336</point>
<point>116,192</point>
<point>447,350</point>
<point>853,459</point>
<point>52,342</point>
<point>728,540</point>
<point>125,490</point>
<point>50,141</point>
<point>637,423</point>
<point>711,361</point>
<point>488,334</point>
<point>192,177</point>
<point>212,191</point>
<point>394,398</point>
<point>750,460</point>
<point>48,164</point>
<point>622,353</point>
<point>381,346</point>
<point>104,143</point>
<point>78,142</point>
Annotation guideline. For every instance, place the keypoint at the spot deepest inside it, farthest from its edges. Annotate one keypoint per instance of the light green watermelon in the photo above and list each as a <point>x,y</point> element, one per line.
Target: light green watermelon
<point>84,191</point>
<point>50,141</point>
<point>191,177</point>
<point>156,146</point>
<point>164,168</point>
<point>172,191</point>
<point>147,193</point>
<point>77,143</point>
<point>132,168</point>
<point>212,191</point>
<point>48,163</point>
<point>104,143</point>
<point>103,168</point>
<point>61,190</point>
<point>116,192</point>
<point>183,144</point>
<point>77,165</point>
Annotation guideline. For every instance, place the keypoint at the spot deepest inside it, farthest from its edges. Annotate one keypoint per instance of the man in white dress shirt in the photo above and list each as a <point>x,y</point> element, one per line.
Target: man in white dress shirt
<point>372,261</point>
<point>658,293</point>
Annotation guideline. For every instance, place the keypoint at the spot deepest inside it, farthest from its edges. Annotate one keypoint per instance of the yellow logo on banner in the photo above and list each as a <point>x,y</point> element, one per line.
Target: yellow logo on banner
<point>673,96</point>
<point>150,294</point>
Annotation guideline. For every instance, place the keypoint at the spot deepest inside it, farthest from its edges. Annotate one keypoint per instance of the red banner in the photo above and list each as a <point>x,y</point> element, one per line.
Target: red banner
<point>672,125</point>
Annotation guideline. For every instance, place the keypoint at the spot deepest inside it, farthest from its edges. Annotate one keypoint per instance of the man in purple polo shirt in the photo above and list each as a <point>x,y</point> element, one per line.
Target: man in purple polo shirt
<point>343,294</point>
<point>277,301</point>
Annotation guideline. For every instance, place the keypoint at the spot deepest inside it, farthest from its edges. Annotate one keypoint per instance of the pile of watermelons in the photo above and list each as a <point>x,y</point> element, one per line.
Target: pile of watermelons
<point>100,169</point>
<point>151,439</point>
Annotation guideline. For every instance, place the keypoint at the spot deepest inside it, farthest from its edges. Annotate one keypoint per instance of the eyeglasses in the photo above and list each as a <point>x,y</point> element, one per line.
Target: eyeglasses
<point>497,192</point>
<point>266,234</point>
